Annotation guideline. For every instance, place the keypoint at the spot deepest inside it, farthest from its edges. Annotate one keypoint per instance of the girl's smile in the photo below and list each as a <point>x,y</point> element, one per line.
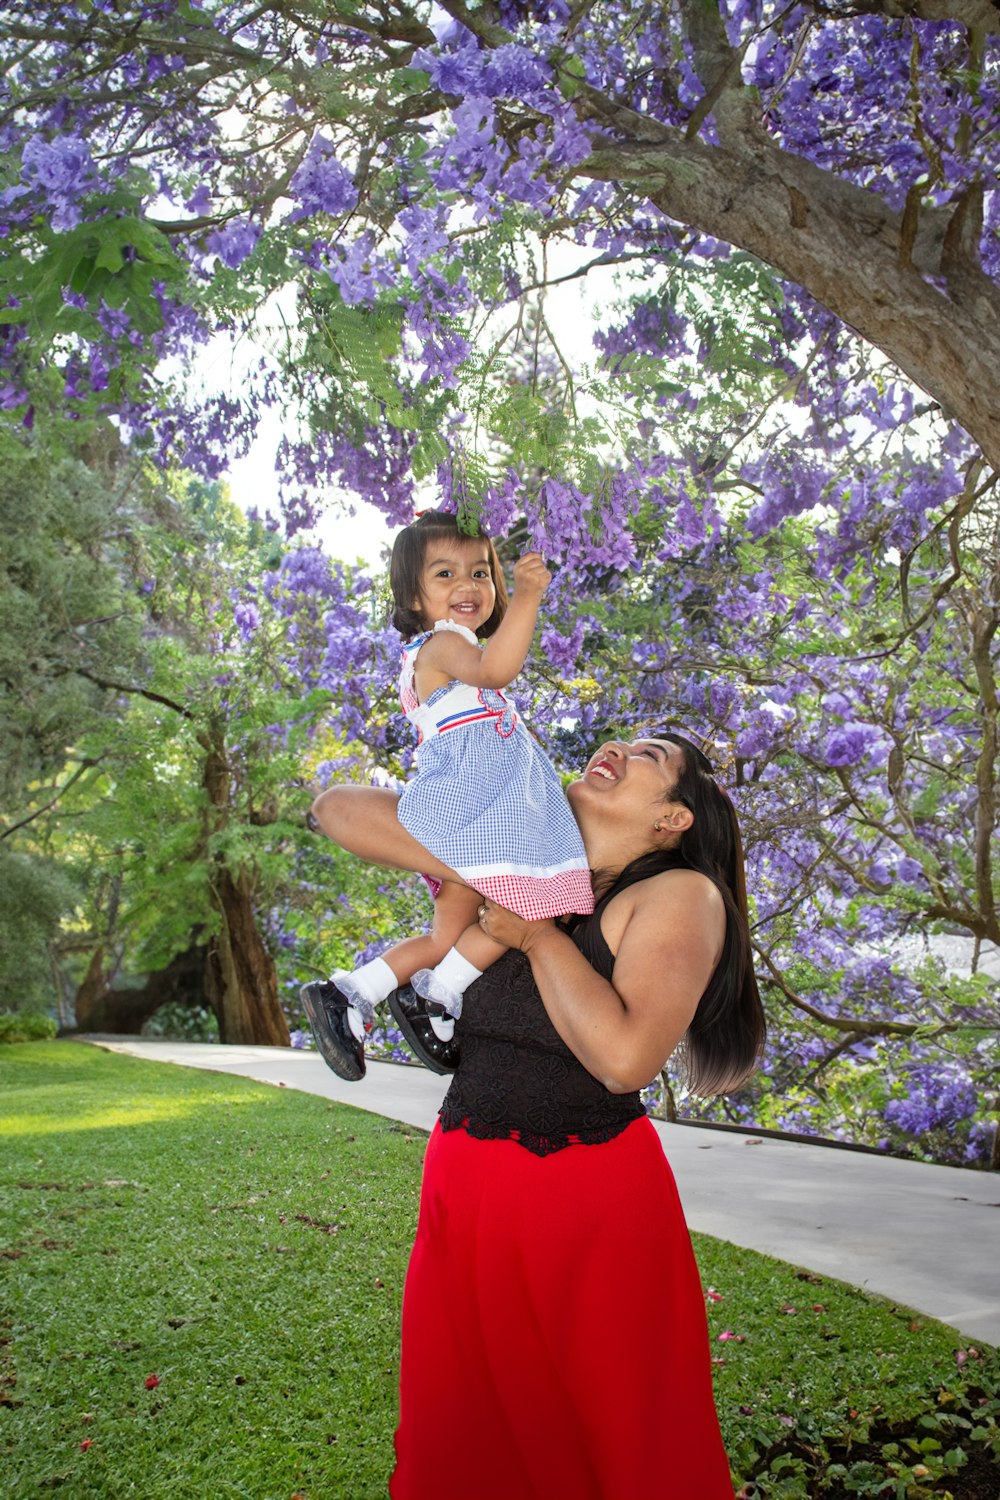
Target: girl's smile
<point>456,584</point>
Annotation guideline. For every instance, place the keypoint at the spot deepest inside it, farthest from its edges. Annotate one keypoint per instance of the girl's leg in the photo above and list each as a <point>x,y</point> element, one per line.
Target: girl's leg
<point>446,983</point>
<point>476,947</point>
<point>453,953</point>
<point>362,820</point>
<point>454,911</point>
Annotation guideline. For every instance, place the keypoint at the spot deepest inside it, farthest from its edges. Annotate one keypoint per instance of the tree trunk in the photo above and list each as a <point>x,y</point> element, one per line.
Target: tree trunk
<point>92,987</point>
<point>241,982</point>
<point>667,1109</point>
<point>124,1012</point>
<point>240,978</point>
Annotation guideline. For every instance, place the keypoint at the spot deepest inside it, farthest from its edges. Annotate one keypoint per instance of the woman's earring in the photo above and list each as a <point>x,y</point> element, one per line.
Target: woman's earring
<point>657,827</point>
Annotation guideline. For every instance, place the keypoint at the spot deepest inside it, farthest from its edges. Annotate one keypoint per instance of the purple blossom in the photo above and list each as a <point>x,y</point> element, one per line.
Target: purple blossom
<point>457,68</point>
<point>234,241</point>
<point>320,183</point>
<point>200,201</point>
<point>63,170</point>
<point>848,745</point>
<point>515,72</point>
<point>247,618</point>
<point>938,1096</point>
<point>98,368</point>
<point>357,270</point>
<point>563,650</point>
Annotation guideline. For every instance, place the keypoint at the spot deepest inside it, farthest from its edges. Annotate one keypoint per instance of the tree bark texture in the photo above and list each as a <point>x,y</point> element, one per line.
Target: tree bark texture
<point>240,979</point>
<point>241,982</point>
<point>983,15</point>
<point>123,1012</point>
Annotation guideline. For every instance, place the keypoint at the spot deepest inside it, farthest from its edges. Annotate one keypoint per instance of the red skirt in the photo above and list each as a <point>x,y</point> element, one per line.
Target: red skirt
<point>555,1345</point>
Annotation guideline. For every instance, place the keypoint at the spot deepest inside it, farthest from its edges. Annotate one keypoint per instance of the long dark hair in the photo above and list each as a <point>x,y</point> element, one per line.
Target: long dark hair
<point>407,561</point>
<point>726,1037</point>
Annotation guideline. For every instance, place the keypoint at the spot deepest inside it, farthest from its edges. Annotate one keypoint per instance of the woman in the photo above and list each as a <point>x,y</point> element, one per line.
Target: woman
<point>554,1334</point>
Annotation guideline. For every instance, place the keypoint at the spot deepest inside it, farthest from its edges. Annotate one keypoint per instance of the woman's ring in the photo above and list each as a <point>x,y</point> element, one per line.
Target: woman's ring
<point>482,912</point>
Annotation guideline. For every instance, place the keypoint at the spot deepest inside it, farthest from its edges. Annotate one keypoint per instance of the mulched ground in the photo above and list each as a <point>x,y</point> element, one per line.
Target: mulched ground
<point>977,1479</point>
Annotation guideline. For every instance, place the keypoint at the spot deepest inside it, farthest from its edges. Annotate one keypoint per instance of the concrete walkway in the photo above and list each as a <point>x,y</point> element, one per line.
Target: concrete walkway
<point>923,1235</point>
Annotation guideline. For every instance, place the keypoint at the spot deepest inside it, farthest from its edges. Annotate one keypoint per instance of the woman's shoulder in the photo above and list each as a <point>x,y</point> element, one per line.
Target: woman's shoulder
<point>689,895</point>
<point>673,884</point>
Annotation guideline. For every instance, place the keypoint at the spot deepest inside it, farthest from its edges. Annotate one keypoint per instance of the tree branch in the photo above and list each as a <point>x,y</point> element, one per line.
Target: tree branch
<point>845,1024</point>
<point>85,765</point>
<point>838,241</point>
<point>132,690</point>
<point>718,67</point>
<point>981,15</point>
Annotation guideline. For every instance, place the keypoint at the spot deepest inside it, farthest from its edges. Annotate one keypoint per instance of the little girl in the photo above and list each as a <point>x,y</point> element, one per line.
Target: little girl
<point>485,814</point>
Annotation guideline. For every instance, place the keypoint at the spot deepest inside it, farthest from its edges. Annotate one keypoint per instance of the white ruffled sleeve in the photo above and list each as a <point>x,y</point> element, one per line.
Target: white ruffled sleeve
<point>462,630</point>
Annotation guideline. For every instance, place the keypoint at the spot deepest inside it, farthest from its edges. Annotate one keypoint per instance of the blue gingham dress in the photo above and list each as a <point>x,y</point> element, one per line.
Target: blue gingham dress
<point>486,800</point>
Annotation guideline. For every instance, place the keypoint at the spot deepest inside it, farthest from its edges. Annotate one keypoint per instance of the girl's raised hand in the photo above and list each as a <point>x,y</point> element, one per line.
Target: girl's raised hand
<point>531,576</point>
<point>446,657</point>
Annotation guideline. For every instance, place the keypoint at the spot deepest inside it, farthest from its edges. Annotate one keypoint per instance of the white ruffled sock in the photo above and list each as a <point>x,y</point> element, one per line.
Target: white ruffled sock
<point>446,983</point>
<point>442,1024</point>
<point>365,988</point>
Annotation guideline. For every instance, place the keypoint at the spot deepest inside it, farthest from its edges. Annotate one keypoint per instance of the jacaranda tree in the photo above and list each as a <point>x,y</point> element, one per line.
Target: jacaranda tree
<point>770,490</point>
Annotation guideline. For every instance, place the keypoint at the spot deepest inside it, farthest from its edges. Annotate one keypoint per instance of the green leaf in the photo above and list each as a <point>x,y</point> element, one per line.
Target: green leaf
<point>109,257</point>
<point>570,75</point>
<point>410,81</point>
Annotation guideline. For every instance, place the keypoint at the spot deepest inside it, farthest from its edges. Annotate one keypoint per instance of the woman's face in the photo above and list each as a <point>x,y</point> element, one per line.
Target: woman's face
<point>630,783</point>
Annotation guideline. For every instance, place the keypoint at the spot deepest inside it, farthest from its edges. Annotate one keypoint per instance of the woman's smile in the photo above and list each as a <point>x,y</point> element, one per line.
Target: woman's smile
<point>615,761</point>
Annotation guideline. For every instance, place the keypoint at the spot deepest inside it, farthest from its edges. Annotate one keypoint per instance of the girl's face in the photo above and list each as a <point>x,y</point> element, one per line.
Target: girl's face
<point>455,583</point>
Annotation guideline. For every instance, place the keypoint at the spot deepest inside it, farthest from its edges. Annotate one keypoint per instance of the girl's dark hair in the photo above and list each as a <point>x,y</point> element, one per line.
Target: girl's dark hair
<point>407,562</point>
<point>725,1040</point>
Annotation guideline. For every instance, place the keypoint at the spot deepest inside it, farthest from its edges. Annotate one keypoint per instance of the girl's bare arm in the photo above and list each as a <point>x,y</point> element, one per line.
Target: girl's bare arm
<point>446,657</point>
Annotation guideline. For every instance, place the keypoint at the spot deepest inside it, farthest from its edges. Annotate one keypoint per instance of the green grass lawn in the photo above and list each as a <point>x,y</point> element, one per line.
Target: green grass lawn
<point>201,1285</point>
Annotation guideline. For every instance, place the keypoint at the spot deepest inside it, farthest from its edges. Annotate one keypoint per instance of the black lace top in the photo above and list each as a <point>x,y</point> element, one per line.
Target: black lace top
<point>517,1080</point>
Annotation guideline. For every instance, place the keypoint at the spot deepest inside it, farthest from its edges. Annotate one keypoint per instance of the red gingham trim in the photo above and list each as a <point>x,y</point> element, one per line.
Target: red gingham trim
<point>536,900</point>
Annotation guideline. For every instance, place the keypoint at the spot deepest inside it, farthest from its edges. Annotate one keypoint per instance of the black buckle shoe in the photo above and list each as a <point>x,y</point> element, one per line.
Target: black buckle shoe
<point>326,1007</point>
<point>409,1011</point>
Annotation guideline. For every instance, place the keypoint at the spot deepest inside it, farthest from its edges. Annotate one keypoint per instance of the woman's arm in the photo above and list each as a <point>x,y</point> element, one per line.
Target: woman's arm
<point>449,658</point>
<point>667,934</point>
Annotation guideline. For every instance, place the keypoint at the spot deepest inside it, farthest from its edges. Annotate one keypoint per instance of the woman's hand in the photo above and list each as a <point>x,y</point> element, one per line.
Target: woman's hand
<point>510,930</point>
